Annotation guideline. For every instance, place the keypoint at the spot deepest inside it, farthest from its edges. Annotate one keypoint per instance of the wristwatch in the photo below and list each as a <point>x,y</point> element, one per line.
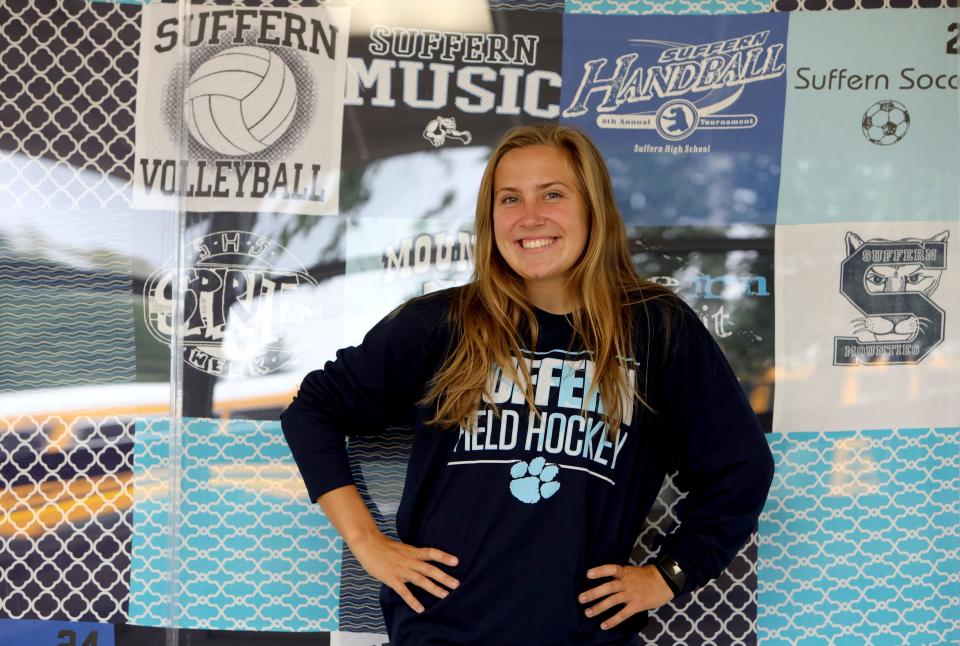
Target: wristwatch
<point>672,574</point>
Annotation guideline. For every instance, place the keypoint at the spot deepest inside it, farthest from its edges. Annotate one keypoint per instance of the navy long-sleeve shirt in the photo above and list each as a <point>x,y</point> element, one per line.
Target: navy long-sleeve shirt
<point>528,503</point>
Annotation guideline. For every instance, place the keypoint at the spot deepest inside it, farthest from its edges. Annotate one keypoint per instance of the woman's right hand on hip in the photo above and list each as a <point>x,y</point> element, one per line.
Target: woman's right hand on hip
<point>396,564</point>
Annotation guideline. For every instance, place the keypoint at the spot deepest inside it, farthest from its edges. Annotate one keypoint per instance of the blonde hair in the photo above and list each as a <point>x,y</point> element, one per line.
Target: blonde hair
<point>602,286</point>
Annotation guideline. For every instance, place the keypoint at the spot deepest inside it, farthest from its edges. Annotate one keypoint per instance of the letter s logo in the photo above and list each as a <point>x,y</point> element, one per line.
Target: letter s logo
<point>890,283</point>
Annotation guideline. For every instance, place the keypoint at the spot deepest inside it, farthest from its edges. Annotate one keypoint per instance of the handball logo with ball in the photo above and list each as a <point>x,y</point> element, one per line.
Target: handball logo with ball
<point>240,101</point>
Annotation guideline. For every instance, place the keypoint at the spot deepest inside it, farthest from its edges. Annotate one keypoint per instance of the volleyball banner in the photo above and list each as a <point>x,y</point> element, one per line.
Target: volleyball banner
<point>240,109</point>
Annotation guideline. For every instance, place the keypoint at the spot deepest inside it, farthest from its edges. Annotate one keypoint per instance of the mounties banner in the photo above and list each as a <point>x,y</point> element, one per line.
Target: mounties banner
<point>240,109</point>
<point>879,349</point>
<point>662,95</point>
<point>410,88</point>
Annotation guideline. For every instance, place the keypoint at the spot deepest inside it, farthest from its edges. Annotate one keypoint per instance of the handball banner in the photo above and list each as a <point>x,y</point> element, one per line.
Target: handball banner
<point>687,97</point>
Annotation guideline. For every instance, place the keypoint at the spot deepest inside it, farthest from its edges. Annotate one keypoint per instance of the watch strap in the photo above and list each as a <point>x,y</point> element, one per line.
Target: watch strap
<point>672,573</point>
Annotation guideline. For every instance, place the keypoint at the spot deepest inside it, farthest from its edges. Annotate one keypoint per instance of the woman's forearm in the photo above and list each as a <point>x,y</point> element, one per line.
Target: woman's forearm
<point>349,515</point>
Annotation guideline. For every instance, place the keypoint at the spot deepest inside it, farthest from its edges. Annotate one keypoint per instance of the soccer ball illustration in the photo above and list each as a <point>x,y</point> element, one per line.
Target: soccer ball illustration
<point>885,122</point>
<point>240,101</point>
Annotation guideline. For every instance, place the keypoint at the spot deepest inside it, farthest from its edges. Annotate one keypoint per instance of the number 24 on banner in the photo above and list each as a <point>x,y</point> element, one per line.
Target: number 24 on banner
<point>70,637</point>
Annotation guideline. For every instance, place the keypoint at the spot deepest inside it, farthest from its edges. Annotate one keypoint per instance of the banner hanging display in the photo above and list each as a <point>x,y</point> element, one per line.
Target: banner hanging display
<point>411,87</point>
<point>688,112</point>
<point>399,259</point>
<point>793,178</point>
<point>871,107</point>
<point>240,109</point>
<point>726,276</point>
<point>879,350</point>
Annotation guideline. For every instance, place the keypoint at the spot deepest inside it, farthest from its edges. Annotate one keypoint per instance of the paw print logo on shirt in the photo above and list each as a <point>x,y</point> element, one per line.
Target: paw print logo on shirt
<point>534,481</point>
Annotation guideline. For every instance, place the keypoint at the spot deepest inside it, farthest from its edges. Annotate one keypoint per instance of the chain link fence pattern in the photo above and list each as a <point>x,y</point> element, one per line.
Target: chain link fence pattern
<point>723,611</point>
<point>49,282</point>
<point>666,7</point>
<point>65,518</point>
<point>845,5</point>
<point>69,88</point>
<point>718,7</point>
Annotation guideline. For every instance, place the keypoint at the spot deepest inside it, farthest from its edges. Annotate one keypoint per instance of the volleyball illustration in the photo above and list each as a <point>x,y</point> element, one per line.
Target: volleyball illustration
<point>240,101</point>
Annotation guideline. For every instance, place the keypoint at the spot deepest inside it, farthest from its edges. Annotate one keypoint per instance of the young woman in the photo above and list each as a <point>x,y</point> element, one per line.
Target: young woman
<point>548,398</point>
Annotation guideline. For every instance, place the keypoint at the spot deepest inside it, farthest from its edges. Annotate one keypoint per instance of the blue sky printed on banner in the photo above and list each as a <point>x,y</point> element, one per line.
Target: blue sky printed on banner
<point>688,112</point>
<point>859,540</point>
<point>253,553</point>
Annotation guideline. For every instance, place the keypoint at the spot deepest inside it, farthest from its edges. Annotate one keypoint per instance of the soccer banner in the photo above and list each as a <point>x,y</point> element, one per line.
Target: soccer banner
<point>412,87</point>
<point>240,109</point>
<point>688,112</point>
<point>872,117</point>
<point>866,327</point>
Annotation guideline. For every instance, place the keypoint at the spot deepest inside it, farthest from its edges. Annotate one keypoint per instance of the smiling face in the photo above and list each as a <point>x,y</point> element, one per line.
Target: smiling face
<point>540,220</point>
